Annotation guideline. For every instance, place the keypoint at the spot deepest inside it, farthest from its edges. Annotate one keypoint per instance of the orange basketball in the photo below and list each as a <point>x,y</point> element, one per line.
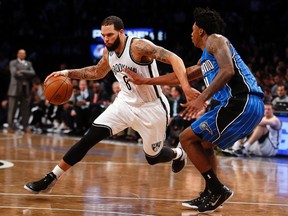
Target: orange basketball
<point>58,89</point>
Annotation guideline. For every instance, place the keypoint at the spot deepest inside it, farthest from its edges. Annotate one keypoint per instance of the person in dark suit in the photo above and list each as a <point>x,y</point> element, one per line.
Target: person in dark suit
<point>99,102</point>
<point>21,72</point>
<point>83,99</point>
<point>177,123</point>
<point>177,98</point>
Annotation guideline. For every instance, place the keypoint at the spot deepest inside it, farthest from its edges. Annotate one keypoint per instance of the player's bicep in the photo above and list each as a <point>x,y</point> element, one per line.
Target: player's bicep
<point>275,123</point>
<point>219,47</point>
<point>163,55</point>
<point>224,60</point>
<point>150,50</point>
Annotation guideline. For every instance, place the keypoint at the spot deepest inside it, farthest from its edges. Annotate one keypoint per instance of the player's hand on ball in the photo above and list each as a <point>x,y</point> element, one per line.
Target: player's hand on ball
<point>51,75</point>
<point>57,73</point>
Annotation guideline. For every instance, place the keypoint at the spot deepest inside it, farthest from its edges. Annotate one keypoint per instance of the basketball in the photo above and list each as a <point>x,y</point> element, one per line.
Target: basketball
<point>58,89</point>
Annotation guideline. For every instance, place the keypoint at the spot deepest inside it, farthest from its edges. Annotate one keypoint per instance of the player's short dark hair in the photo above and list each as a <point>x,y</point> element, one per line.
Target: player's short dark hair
<point>210,20</point>
<point>113,20</point>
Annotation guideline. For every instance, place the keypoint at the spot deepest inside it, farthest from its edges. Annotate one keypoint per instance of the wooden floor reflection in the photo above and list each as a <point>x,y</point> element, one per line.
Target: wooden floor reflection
<point>114,179</point>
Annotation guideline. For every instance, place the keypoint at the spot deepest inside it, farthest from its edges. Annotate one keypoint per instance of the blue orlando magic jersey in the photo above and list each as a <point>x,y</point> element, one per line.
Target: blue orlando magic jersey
<point>240,109</point>
<point>243,81</point>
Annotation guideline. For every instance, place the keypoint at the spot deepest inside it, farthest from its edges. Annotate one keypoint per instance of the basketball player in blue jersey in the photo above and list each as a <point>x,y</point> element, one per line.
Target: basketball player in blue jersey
<point>229,81</point>
<point>143,108</point>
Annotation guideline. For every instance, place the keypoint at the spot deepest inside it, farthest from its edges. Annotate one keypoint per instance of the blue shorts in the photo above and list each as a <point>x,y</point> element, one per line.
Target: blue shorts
<point>229,122</point>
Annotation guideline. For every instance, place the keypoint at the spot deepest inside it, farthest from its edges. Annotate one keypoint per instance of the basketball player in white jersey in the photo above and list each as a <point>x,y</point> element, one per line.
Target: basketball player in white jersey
<point>141,107</point>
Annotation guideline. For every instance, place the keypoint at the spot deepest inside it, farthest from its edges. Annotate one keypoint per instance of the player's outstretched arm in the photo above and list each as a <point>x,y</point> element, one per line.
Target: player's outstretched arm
<point>193,73</point>
<point>167,79</point>
<point>93,72</point>
<point>149,50</point>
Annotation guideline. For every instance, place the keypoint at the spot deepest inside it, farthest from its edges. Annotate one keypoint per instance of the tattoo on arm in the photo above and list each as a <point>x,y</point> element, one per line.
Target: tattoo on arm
<point>162,54</point>
<point>94,72</point>
<point>194,73</point>
<point>219,47</point>
<point>153,51</point>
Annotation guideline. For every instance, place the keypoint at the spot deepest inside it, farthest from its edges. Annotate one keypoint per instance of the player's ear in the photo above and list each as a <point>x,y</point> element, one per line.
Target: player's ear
<point>201,31</point>
<point>121,31</point>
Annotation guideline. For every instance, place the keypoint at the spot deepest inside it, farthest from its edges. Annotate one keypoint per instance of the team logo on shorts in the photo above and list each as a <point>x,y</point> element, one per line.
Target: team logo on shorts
<point>204,126</point>
<point>156,146</point>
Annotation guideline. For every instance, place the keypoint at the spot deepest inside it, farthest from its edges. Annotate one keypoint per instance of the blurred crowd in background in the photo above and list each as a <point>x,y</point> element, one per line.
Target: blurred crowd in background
<point>57,34</point>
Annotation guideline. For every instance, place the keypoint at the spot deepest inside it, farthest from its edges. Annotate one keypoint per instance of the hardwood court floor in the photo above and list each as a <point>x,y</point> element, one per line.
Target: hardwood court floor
<point>114,179</point>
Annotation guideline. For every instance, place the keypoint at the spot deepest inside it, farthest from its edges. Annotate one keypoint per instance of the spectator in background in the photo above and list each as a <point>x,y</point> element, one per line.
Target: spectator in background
<point>281,96</point>
<point>278,81</point>
<point>100,101</point>
<point>267,80</point>
<point>54,113</point>
<point>281,67</point>
<point>177,98</point>
<point>52,116</point>
<point>37,104</point>
<point>90,84</point>
<point>267,94</point>
<point>75,82</point>
<point>21,71</point>
<point>166,89</point>
<point>82,103</point>
<point>69,114</point>
<point>176,123</point>
<point>116,89</point>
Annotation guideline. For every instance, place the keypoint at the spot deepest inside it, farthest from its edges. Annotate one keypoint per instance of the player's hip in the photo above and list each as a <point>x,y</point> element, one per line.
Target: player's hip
<point>226,124</point>
<point>121,115</point>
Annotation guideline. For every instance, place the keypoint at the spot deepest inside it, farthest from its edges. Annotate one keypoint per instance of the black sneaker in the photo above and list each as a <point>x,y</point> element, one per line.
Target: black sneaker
<point>214,201</point>
<point>179,164</point>
<point>44,185</point>
<point>194,203</point>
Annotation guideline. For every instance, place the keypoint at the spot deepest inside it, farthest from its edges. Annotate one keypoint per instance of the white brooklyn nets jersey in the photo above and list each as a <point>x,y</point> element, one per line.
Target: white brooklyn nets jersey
<point>131,93</point>
<point>142,107</point>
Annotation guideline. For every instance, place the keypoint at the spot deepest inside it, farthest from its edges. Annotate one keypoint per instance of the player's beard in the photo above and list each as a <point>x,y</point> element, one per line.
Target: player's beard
<point>115,45</point>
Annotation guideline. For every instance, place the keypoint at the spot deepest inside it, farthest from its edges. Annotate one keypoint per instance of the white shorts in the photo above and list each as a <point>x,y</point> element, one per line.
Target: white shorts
<point>149,120</point>
<point>263,149</point>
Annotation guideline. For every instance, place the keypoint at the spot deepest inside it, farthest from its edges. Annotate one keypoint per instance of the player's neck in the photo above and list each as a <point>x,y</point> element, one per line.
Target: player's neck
<point>121,46</point>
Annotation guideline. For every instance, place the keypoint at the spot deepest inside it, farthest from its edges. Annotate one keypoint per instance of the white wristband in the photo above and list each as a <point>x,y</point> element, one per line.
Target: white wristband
<point>64,73</point>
